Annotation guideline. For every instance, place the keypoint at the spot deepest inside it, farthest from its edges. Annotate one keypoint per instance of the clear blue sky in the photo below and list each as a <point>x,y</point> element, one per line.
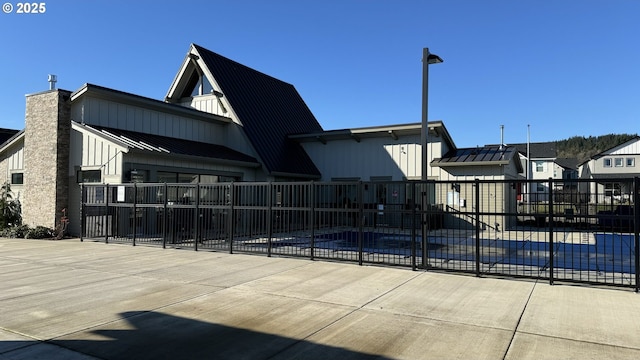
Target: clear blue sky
<point>566,67</point>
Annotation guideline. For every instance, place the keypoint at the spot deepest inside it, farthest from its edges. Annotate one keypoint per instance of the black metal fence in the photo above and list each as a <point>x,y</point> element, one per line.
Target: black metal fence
<point>573,231</point>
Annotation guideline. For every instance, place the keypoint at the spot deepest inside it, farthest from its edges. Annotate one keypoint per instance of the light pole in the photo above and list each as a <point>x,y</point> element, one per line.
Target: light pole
<point>427,59</point>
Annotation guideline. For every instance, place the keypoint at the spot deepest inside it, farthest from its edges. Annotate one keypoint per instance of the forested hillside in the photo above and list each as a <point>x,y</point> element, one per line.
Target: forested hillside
<point>582,148</point>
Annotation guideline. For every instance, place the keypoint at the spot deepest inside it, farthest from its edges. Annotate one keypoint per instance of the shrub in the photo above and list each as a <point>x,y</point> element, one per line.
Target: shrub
<point>39,232</point>
<point>10,209</point>
<point>19,231</point>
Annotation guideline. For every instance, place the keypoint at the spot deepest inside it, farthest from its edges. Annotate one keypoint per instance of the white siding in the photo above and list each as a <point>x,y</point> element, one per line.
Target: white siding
<point>15,158</point>
<point>89,151</point>
<point>381,156</point>
<point>597,165</point>
<point>107,113</point>
<point>206,103</point>
<point>632,148</point>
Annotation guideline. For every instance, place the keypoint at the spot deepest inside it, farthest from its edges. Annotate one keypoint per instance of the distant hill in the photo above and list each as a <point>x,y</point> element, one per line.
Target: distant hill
<point>582,148</point>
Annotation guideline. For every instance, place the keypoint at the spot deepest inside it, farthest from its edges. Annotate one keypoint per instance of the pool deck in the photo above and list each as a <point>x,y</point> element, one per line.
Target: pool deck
<point>72,300</point>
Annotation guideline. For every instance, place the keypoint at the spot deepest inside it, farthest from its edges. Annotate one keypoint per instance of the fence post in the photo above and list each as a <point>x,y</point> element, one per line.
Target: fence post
<point>551,245</point>
<point>636,228</point>
<point>196,220</point>
<point>424,223</point>
<point>270,217</point>
<point>82,212</point>
<point>165,217</point>
<point>106,214</point>
<point>360,221</point>
<point>135,212</point>
<point>232,199</point>
<point>313,219</point>
<point>478,222</point>
<point>414,254</point>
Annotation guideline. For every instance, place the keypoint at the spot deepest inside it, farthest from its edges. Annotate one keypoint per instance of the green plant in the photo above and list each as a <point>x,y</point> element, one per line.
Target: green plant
<point>10,209</point>
<point>19,231</point>
<point>39,232</point>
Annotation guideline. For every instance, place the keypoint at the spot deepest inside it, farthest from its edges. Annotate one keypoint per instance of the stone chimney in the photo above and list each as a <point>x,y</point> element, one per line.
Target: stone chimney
<point>46,157</point>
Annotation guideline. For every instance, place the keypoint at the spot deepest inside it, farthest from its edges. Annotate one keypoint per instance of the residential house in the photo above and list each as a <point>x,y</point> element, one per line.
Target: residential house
<point>609,168</point>
<point>540,162</point>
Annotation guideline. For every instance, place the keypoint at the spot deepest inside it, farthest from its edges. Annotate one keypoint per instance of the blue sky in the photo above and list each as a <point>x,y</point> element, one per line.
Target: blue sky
<point>566,67</point>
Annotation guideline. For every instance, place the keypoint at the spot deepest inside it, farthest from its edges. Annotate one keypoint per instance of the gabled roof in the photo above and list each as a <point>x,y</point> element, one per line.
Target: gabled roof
<point>102,92</point>
<point>392,131</point>
<point>567,163</point>
<point>173,146</point>
<point>268,110</point>
<point>616,148</point>
<point>6,134</point>
<point>480,156</point>
<point>17,136</point>
<point>540,150</point>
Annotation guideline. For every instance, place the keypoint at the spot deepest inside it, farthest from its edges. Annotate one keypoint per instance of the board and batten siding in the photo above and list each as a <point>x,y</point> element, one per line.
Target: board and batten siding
<point>12,162</point>
<point>101,112</point>
<point>90,151</point>
<point>15,157</point>
<point>206,103</point>
<point>372,157</point>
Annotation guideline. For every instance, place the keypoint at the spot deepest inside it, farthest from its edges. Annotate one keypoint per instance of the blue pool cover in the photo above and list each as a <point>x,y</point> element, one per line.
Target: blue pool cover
<point>610,253</point>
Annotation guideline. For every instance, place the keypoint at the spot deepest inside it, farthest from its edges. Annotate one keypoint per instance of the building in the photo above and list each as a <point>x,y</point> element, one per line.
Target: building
<point>220,121</point>
<point>619,162</point>
<point>540,161</point>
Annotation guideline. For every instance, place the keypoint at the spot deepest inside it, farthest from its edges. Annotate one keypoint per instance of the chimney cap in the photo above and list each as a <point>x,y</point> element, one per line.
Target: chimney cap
<point>52,79</point>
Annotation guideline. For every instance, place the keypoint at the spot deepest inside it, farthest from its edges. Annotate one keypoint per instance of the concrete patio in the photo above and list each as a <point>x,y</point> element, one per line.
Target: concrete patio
<point>73,300</point>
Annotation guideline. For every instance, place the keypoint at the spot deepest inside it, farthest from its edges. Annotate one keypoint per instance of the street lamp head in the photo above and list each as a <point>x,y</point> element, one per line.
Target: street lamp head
<point>434,59</point>
<point>429,58</point>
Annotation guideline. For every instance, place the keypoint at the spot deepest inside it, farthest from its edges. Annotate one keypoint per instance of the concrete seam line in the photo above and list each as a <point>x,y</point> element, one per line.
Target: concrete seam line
<point>515,330</point>
<point>347,314</point>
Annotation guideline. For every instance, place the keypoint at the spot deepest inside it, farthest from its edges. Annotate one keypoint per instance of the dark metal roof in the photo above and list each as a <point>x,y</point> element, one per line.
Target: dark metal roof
<point>540,150</point>
<point>175,146</point>
<point>6,134</point>
<point>487,155</point>
<point>269,110</point>
<point>567,163</point>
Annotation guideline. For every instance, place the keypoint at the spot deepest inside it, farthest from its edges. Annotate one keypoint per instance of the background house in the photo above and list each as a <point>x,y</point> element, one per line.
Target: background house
<point>607,167</point>
<point>540,162</point>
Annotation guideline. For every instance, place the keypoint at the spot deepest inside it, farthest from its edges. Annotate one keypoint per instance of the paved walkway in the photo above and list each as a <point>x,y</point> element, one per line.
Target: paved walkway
<point>73,300</point>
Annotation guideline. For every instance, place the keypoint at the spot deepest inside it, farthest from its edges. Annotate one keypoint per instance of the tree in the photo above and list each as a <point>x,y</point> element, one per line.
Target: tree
<point>10,209</point>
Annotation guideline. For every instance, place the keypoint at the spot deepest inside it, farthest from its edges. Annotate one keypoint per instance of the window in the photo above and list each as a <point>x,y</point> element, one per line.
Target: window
<point>200,85</point>
<point>539,166</point>
<point>631,162</point>
<point>612,189</point>
<point>89,176</point>
<point>188,178</point>
<point>17,179</point>
<point>606,162</point>
<point>167,177</point>
<point>540,187</point>
<point>618,162</point>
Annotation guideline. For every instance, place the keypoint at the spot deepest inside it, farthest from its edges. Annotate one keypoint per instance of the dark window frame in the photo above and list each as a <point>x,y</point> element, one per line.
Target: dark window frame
<point>17,178</point>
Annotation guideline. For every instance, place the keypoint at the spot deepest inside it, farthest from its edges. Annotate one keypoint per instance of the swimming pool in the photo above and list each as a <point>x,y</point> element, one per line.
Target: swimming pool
<point>609,253</point>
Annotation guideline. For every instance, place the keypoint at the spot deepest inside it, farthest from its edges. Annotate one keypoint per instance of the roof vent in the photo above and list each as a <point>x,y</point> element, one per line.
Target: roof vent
<point>52,81</point>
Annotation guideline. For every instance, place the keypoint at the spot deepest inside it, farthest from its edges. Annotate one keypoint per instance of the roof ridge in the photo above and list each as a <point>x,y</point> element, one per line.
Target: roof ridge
<point>200,48</point>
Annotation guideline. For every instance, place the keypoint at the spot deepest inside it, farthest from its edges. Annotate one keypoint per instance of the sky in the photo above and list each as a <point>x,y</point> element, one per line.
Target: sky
<point>544,69</point>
